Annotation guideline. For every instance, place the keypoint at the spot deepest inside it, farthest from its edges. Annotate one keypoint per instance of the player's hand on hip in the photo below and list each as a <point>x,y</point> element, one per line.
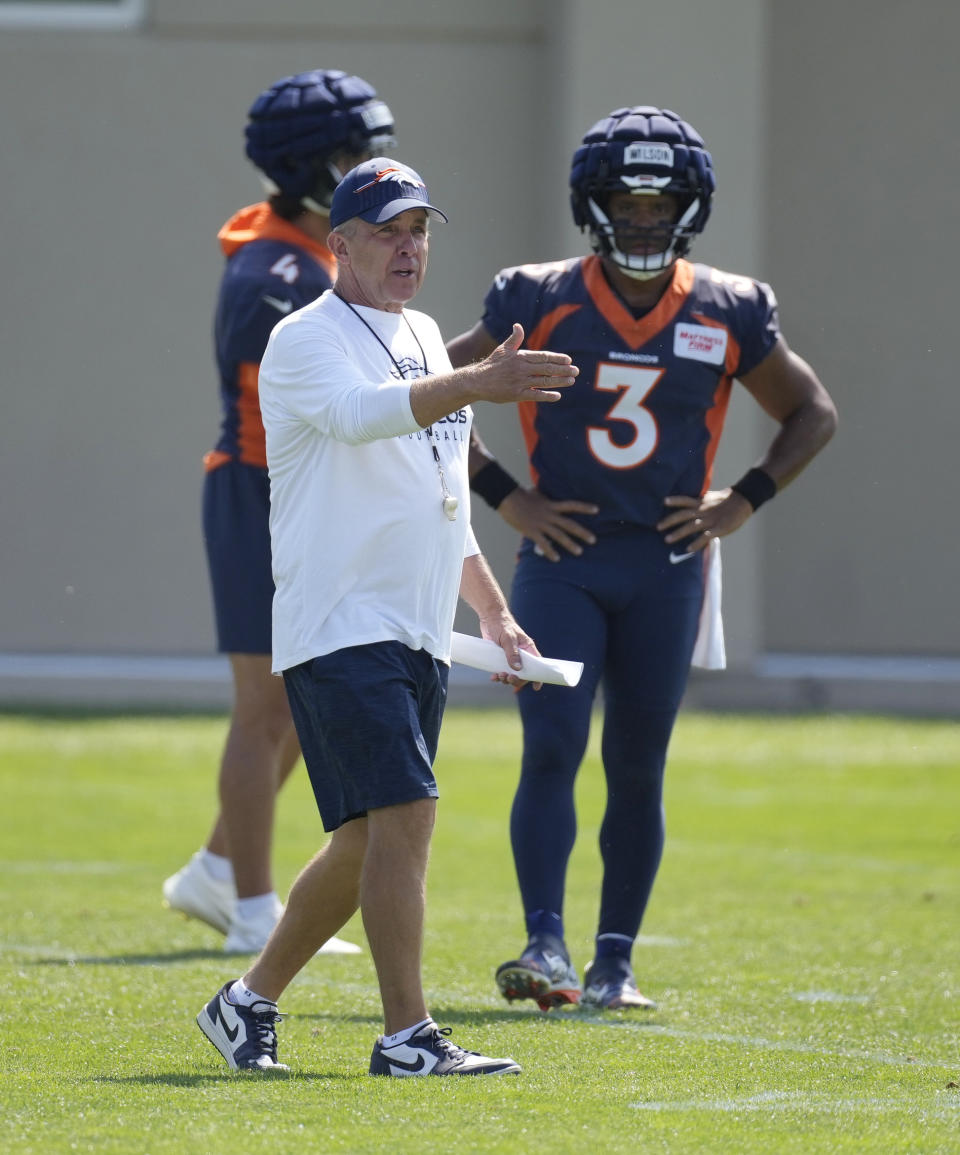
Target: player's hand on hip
<point>514,374</point>
<point>695,521</point>
<point>546,522</point>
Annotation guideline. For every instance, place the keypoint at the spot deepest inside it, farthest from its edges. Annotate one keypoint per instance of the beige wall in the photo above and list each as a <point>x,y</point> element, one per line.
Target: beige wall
<point>123,154</point>
<point>131,156</point>
<point>863,245</point>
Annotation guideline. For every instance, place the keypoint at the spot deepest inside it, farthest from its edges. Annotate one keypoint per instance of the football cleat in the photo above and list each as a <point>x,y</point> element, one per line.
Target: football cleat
<point>196,893</point>
<point>430,1052</point>
<point>245,1036</point>
<point>610,985</point>
<point>543,973</point>
<point>250,936</point>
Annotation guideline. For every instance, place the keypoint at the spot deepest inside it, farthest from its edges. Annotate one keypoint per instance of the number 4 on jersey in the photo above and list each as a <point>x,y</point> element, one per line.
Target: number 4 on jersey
<point>633,384</point>
<point>287,268</point>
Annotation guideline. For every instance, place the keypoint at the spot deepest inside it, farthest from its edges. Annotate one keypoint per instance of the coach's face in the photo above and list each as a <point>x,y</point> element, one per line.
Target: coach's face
<point>382,266</point>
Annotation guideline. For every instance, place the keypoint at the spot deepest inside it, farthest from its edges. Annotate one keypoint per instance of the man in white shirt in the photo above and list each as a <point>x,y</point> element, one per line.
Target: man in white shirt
<point>367,435</point>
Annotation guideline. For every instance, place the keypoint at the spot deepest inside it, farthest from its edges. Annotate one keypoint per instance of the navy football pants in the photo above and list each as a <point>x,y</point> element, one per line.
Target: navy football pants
<point>631,617</point>
<point>236,532</point>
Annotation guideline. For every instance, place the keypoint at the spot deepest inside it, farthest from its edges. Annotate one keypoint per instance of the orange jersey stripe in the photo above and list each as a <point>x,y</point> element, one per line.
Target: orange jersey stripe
<point>528,409</point>
<point>637,331</point>
<point>545,326</point>
<point>251,438</point>
<point>717,414</point>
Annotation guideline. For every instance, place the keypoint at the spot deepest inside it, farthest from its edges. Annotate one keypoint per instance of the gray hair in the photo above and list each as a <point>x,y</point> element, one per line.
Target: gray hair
<point>347,228</point>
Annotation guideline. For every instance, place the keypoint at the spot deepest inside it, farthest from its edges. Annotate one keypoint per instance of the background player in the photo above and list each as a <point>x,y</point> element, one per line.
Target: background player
<point>658,342</point>
<point>303,134</point>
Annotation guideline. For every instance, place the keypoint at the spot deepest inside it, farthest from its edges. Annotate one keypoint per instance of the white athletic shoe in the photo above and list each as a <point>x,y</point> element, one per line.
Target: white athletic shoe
<point>339,946</point>
<point>430,1052</point>
<point>245,1036</point>
<point>196,893</point>
<point>250,935</point>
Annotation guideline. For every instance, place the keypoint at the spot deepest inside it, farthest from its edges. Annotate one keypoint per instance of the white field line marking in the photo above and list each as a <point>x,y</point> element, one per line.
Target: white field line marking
<point>807,858</point>
<point>805,1101</point>
<point>829,997</point>
<point>55,951</point>
<point>774,1044</point>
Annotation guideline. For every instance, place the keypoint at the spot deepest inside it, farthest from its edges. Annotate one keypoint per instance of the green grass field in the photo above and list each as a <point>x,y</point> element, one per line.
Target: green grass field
<point>803,944</point>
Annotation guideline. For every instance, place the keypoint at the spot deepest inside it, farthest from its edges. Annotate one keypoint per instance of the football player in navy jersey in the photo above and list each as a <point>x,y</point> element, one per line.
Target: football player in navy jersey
<point>621,524</point>
<point>303,133</point>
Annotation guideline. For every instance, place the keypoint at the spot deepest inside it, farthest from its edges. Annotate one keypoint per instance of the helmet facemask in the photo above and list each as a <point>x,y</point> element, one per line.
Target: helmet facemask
<point>640,251</point>
<point>372,136</point>
<point>330,170</point>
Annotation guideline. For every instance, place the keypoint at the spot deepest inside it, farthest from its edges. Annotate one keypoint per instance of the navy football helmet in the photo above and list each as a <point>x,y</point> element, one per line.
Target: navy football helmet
<point>298,125</point>
<point>644,151</point>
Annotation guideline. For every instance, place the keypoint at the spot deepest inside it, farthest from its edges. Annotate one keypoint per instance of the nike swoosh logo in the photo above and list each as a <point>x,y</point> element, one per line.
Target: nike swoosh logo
<point>231,1035</point>
<point>283,306</point>
<point>678,557</point>
<point>411,1067</point>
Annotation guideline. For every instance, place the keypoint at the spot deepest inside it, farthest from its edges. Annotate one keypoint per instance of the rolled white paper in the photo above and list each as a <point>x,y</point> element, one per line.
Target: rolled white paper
<point>484,655</point>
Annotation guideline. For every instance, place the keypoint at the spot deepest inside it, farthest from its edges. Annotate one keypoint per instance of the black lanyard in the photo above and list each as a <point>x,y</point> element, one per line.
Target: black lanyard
<point>450,503</point>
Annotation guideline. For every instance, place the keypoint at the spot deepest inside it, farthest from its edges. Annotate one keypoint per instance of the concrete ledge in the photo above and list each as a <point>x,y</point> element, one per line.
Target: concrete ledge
<point>148,682</point>
<point>786,683</point>
<point>800,683</point>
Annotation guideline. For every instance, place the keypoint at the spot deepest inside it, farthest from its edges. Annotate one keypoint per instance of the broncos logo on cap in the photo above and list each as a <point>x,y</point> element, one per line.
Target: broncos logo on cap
<point>403,175</point>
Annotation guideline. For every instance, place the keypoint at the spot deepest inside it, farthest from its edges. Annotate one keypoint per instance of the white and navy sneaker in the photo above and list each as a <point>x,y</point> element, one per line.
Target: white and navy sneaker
<point>609,985</point>
<point>196,893</point>
<point>429,1052</point>
<point>543,973</point>
<point>249,936</point>
<point>245,1036</point>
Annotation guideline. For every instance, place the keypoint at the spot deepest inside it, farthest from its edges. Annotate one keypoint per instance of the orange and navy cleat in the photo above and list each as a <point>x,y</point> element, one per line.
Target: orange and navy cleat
<point>543,973</point>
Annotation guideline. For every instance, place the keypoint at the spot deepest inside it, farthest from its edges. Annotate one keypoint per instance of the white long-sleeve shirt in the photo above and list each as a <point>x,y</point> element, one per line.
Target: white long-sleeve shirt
<point>362,549</point>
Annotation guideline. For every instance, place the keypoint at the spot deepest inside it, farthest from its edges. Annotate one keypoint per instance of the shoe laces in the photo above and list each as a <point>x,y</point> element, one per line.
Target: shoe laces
<point>443,1043</point>
<point>262,1031</point>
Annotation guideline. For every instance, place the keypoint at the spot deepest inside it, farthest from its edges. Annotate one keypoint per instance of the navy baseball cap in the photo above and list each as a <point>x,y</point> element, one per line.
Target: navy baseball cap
<point>378,190</point>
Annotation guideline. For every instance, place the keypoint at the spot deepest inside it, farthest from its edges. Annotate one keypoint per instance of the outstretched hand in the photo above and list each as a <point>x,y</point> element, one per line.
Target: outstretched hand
<point>507,374</point>
<point>510,373</point>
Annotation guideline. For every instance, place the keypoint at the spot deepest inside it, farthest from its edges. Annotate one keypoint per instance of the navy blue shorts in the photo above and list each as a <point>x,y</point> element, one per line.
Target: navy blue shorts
<point>236,531</point>
<point>368,719</point>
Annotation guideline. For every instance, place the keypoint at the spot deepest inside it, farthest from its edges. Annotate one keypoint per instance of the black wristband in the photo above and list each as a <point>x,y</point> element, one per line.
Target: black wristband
<point>757,486</point>
<point>493,483</point>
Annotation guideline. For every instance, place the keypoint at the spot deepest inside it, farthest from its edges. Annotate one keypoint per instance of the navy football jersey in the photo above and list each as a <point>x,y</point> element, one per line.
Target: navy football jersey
<point>272,269</point>
<point>644,417</point>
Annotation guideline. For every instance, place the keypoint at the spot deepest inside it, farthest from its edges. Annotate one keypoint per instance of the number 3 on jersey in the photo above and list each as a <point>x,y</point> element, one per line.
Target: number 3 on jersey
<point>633,384</point>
